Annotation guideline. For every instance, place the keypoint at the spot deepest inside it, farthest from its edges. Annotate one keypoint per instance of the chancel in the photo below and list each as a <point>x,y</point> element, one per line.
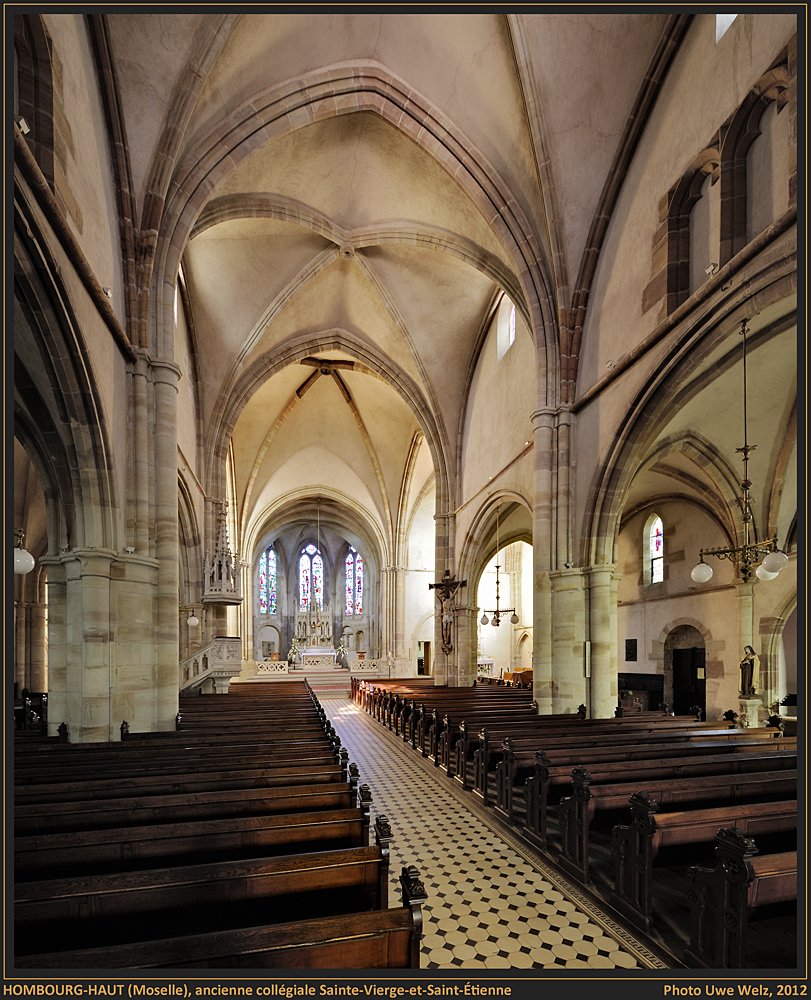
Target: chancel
<point>339,339</point>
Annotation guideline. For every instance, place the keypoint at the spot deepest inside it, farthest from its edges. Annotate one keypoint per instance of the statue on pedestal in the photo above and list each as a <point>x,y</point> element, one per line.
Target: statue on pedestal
<point>750,668</point>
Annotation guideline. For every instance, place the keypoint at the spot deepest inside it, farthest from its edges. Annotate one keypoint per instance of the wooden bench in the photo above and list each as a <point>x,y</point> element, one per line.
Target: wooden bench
<point>465,755</point>
<point>722,899</point>
<point>89,852</point>
<point>646,764</point>
<point>381,939</point>
<point>577,810</point>
<point>140,810</point>
<point>259,777</point>
<point>99,910</point>
<point>635,847</point>
<point>489,752</point>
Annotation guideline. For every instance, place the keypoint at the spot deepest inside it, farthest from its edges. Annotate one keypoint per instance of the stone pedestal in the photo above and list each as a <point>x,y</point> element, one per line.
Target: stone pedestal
<point>752,708</point>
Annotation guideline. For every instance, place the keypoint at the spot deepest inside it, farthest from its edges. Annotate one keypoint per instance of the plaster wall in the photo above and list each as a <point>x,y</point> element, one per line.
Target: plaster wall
<point>498,424</point>
<point>702,89</point>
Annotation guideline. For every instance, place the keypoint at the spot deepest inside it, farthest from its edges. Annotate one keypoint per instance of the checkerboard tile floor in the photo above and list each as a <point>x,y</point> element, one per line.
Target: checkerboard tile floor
<point>489,906</point>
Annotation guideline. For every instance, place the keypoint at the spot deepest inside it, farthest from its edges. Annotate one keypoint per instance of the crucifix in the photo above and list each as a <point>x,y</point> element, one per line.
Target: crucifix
<point>446,588</point>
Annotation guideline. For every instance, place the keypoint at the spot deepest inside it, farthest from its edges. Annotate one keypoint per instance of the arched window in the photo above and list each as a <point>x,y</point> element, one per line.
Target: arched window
<point>655,550</point>
<point>722,24</point>
<point>310,578</point>
<point>353,565</point>
<point>267,582</point>
<point>505,327</point>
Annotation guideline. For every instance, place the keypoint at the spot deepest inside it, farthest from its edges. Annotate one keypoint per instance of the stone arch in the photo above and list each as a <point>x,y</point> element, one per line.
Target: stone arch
<point>649,408</point>
<point>325,94</point>
<point>743,130</point>
<point>524,656</point>
<point>770,631</point>
<point>687,633</point>
<point>57,404</point>
<point>370,362</point>
<point>670,280</point>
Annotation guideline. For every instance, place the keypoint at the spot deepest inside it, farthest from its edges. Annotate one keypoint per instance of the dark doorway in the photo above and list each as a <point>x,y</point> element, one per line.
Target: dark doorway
<point>689,685</point>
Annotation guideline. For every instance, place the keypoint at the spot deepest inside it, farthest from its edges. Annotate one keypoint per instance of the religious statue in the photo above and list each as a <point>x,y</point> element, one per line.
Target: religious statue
<point>341,658</point>
<point>293,655</point>
<point>750,668</point>
<point>445,591</point>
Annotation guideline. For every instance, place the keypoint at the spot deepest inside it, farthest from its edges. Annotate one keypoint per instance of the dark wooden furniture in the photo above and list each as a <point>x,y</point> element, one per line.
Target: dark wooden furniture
<point>723,899</point>
<point>637,846</point>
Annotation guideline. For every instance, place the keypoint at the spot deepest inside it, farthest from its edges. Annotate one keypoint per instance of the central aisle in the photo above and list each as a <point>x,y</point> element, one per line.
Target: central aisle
<point>491,904</point>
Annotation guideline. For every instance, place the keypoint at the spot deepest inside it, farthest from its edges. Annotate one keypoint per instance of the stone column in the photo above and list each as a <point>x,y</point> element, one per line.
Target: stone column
<point>564,493</point>
<point>165,376</point>
<point>569,627</point>
<point>600,703</point>
<point>139,476</point>
<point>466,644</point>
<point>57,663</point>
<point>399,651</point>
<point>87,664</point>
<point>38,640</point>
<point>444,664</point>
<point>20,627</point>
<point>543,424</point>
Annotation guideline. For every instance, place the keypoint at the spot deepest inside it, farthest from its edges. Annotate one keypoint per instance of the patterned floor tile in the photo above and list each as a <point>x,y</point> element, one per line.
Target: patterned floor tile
<point>489,907</point>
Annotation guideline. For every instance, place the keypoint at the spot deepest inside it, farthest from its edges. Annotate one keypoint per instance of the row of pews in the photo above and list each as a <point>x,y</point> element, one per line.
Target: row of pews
<point>241,840</point>
<point>686,828</point>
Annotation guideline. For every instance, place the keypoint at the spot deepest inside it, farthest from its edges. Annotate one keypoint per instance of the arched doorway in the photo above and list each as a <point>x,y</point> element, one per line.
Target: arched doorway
<point>685,660</point>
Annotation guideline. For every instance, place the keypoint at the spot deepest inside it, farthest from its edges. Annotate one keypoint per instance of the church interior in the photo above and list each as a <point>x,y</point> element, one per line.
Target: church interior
<point>451,355</point>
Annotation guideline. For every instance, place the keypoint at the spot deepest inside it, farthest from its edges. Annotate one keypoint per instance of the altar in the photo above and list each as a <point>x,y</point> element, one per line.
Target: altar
<point>315,656</point>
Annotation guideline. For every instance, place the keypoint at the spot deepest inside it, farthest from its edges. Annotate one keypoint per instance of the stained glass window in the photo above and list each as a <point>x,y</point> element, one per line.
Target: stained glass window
<point>349,566</point>
<point>271,580</point>
<point>656,548</point>
<point>353,566</point>
<point>304,581</point>
<point>263,584</point>
<point>311,577</point>
<point>318,580</point>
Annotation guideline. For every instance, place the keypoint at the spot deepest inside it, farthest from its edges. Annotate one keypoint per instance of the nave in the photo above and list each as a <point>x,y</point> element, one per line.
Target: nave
<point>492,903</point>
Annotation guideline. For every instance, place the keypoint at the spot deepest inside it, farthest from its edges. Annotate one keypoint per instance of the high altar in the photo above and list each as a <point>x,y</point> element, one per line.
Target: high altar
<point>314,636</point>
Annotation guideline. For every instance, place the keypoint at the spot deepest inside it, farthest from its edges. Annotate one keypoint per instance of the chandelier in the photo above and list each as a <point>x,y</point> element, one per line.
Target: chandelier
<point>499,612</point>
<point>749,552</point>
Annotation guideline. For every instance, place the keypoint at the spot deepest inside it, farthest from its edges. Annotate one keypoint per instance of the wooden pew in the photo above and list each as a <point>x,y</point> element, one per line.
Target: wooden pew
<point>96,814</point>
<point>90,852</point>
<point>636,847</point>
<point>577,810</point>
<point>596,737</point>
<point>380,939</point>
<point>489,751</point>
<point>722,899</point>
<point>260,777</point>
<point>99,910</point>
<point>645,763</point>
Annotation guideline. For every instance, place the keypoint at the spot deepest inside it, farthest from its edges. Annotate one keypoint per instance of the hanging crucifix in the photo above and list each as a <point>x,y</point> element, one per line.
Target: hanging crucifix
<point>446,588</point>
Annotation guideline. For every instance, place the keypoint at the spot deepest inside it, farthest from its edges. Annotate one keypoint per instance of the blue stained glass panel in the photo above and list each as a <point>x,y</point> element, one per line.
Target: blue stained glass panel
<point>318,581</point>
<point>263,584</point>
<point>304,582</point>
<point>350,584</point>
<point>358,585</point>
<point>272,580</point>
